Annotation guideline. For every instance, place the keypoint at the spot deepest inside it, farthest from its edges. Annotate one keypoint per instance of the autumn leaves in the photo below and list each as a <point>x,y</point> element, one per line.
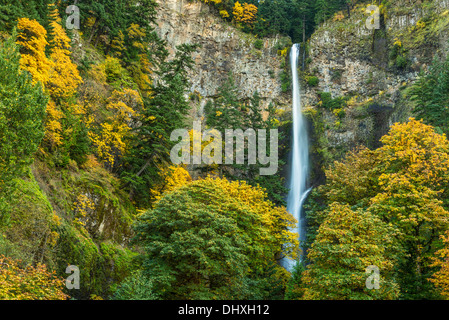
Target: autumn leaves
<point>58,75</point>
<point>385,207</point>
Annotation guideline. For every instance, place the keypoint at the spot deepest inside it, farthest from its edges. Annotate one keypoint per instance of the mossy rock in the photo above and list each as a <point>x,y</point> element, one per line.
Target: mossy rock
<point>91,196</point>
<point>29,234</point>
<point>101,266</point>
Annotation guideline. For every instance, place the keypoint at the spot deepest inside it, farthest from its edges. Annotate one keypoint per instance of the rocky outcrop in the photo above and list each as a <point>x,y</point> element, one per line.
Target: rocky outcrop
<point>224,50</point>
<point>372,69</point>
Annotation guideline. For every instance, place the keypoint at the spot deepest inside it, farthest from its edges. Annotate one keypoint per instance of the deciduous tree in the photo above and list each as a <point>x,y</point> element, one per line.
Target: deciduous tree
<point>205,240</point>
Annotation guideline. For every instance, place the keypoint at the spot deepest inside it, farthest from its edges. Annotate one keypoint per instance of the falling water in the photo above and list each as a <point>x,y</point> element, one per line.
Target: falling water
<point>299,159</point>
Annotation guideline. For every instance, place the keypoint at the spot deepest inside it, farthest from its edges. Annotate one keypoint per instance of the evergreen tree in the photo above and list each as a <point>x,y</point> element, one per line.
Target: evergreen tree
<point>10,11</point>
<point>164,111</point>
<point>430,94</point>
<point>22,110</point>
<point>228,112</point>
<point>273,18</point>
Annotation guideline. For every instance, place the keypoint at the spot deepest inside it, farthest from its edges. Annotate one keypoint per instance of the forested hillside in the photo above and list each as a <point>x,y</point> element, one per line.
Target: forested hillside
<point>98,98</point>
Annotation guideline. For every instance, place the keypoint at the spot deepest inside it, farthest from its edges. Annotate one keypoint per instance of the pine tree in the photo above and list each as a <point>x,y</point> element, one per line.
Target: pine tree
<point>347,243</point>
<point>228,112</point>
<point>22,110</point>
<point>164,111</point>
<point>430,94</point>
<point>10,11</point>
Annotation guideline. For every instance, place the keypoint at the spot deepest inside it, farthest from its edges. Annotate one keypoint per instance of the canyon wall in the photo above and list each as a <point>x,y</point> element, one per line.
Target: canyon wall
<point>224,50</point>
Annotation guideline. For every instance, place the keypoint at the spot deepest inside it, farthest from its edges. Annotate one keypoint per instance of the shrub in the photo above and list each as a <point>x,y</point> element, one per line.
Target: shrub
<point>313,81</point>
<point>258,44</point>
<point>28,283</point>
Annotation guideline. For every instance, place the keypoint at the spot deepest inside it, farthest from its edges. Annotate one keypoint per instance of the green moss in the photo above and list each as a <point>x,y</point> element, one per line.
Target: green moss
<point>78,249</point>
<point>111,207</point>
<point>119,262</point>
<point>28,233</point>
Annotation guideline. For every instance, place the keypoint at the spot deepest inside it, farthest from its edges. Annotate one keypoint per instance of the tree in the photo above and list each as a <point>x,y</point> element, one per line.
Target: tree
<point>64,77</point>
<point>273,18</point>
<point>135,287</point>
<point>109,18</point>
<point>111,137</point>
<point>175,177</point>
<point>9,13</point>
<point>22,110</point>
<point>32,39</point>
<point>326,8</point>
<point>29,283</point>
<point>163,112</point>
<point>245,14</point>
<point>403,184</point>
<point>430,95</point>
<point>205,239</point>
<point>414,173</point>
<point>347,243</point>
<point>295,285</point>
<point>62,84</point>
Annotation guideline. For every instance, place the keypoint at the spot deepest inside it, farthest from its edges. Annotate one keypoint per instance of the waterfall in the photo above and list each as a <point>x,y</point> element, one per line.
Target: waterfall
<point>299,167</point>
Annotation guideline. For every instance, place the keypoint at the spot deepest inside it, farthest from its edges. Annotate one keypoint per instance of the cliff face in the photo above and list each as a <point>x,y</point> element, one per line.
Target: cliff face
<point>369,70</point>
<point>372,70</point>
<point>224,50</point>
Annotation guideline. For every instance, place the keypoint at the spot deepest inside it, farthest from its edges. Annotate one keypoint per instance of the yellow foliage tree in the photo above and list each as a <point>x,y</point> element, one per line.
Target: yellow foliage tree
<point>175,177</point>
<point>53,127</point>
<point>244,13</point>
<point>404,183</point>
<point>414,172</point>
<point>441,260</point>
<point>347,243</point>
<point>64,77</point>
<point>110,139</point>
<point>141,70</point>
<point>118,44</point>
<point>32,37</point>
<point>29,283</point>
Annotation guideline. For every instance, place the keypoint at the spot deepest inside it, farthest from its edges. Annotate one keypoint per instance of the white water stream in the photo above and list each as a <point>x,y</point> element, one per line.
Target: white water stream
<point>299,167</point>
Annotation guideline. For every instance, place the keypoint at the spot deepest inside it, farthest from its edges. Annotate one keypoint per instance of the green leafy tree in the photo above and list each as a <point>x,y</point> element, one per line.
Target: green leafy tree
<point>22,110</point>
<point>347,243</point>
<point>212,239</point>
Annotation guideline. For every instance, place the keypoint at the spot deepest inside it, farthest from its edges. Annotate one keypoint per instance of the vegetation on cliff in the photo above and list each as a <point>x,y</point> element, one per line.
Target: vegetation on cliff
<point>86,177</point>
